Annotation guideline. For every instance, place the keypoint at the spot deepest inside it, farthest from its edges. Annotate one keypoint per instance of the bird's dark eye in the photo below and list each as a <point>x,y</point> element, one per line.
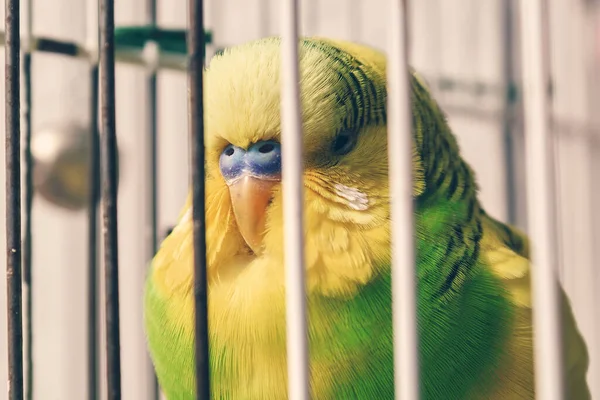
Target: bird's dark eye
<point>344,142</point>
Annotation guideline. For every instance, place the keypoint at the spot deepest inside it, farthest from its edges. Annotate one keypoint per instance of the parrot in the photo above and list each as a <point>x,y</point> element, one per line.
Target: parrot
<point>473,293</point>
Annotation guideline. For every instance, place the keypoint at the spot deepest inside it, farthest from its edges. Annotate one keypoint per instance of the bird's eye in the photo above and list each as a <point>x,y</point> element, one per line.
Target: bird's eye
<point>344,142</point>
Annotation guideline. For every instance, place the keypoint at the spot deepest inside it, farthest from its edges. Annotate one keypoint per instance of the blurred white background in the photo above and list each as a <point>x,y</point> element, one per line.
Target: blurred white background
<point>465,41</point>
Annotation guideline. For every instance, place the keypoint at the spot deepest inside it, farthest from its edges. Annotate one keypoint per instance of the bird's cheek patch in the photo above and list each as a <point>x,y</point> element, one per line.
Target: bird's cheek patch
<point>353,198</point>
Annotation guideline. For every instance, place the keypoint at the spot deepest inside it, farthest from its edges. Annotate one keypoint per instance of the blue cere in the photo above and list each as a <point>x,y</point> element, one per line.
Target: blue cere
<point>262,159</point>
<point>231,162</point>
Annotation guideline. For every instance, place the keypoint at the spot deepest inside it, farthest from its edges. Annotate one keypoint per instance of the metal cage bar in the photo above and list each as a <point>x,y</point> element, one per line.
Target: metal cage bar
<point>108,158</point>
<point>509,112</point>
<point>291,154</point>
<point>93,360</point>
<point>28,196</point>
<point>27,239</point>
<point>195,44</point>
<point>549,383</point>
<point>400,144</point>
<point>92,281</point>
<point>13,201</point>
<point>151,117</point>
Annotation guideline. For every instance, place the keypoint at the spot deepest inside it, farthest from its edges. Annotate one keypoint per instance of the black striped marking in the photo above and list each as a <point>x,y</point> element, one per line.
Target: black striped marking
<point>360,93</point>
<point>462,266</point>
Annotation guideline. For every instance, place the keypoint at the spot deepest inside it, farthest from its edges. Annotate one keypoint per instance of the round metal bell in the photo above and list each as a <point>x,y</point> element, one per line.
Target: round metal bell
<point>61,161</point>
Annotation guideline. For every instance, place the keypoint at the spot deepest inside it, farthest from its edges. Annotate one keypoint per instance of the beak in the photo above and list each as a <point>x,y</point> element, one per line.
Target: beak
<point>250,197</point>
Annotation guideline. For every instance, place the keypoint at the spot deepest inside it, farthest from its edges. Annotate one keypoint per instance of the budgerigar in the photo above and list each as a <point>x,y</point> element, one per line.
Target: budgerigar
<point>473,295</point>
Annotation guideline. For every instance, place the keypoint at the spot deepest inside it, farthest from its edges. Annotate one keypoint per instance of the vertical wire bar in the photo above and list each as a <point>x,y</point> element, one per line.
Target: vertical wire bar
<point>93,361</point>
<point>509,112</point>
<point>27,255</point>
<point>13,202</point>
<point>108,158</point>
<point>151,115</point>
<point>152,128</point>
<point>28,195</point>
<point>92,282</point>
<point>291,148</point>
<point>196,123</point>
<point>549,383</point>
<point>406,363</point>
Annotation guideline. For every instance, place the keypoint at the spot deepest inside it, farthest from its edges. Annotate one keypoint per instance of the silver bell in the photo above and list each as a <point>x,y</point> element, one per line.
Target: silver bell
<point>61,162</point>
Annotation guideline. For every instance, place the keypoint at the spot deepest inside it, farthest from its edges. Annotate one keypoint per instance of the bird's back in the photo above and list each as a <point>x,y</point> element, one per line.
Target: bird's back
<point>506,252</point>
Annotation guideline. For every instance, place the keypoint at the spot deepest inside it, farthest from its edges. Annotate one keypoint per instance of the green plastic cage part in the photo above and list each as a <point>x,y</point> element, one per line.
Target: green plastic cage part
<point>130,45</point>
